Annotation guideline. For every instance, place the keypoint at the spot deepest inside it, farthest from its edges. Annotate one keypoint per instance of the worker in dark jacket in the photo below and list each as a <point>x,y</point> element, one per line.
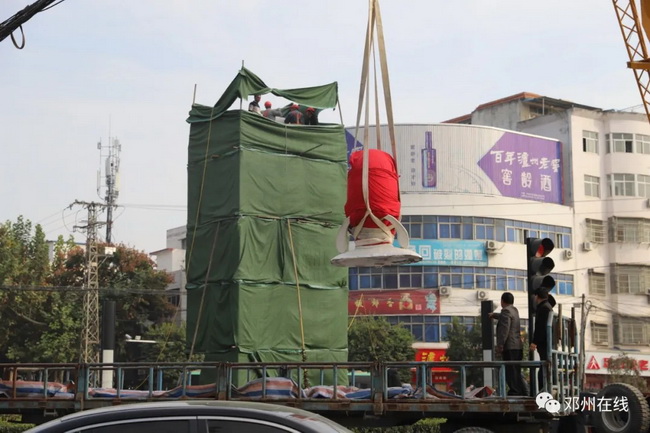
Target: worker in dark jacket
<point>295,116</point>
<point>509,342</point>
<point>311,118</point>
<point>544,308</point>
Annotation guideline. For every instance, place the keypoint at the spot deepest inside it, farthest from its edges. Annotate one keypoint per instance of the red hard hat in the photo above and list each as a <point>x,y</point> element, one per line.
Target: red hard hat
<point>267,104</point>
<point>311,109</point>
<point>295,107</point>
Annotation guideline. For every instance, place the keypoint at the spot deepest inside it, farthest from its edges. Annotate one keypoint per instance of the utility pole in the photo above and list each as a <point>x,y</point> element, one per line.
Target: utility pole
<point>111,180</point>
<point>585,306</point>
<point>90,324</point>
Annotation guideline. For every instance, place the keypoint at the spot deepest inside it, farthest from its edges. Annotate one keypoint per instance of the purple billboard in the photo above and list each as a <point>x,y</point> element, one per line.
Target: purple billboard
<point>523,166</point>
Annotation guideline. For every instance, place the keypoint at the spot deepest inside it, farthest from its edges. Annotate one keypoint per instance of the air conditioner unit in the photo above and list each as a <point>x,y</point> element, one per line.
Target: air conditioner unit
<point>481,295</point>
<point>568,254</point>
<point>445,291</point>
<point>587,246</point>
<point>493,246</point>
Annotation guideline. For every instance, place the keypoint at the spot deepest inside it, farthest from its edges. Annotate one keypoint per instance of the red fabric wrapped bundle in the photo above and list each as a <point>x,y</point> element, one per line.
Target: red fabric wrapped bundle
<point>383,188</point>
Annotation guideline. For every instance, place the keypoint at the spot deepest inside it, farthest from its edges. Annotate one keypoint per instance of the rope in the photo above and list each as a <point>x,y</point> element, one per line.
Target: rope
<point>386,82</point>
<point>205,289</point>
<point>198,207</point>
<point>374,21</point>
<point>303,352</point>
<point>356,312</point>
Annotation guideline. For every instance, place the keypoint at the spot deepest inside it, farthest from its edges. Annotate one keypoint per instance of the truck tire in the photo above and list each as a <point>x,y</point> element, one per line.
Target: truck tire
<point>636,419</point>
<point>473,430</point>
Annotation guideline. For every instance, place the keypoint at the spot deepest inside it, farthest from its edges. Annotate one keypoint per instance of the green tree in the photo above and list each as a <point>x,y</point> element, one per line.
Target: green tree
<point>23,266</point>
<point>465,345</point>
<point>23,255</point>
<point>131,280</point>
<point>374,339</point>
<point>625,369</point>
<point>170,347</point>
<point>40,307</point>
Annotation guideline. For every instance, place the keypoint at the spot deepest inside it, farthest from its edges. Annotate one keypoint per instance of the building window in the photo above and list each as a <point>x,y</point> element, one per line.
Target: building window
<point>478,228</point>
<point>621,184</point>
<point>632,230</point>
<point>599,334</point>
<point>630,279</point>
<point>618,142</point>
<point>590,141</point>
<point>644,185</point>
<point>642,143</point>
<point>459,277</point>
<point>369,278</point>
<point>563,284</point>
<point>596,231</point>
<point>597,285</point>
<point>630,331</point>
<point>484,231</point>
<point>449,228</point>
<point>430,329</point>
<point>175,300</point>
<point>592,186</point>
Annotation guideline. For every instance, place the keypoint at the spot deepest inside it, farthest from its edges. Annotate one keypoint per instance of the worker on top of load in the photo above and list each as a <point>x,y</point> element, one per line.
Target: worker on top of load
<point>254,106</point>
<point>269,112</point>
<point>311,118</point>
<point>295,116</point>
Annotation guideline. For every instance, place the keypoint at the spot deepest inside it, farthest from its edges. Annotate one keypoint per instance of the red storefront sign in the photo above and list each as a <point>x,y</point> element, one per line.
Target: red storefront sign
<point>433,355</point>
<point>597,365</point>
<point>375,302</point>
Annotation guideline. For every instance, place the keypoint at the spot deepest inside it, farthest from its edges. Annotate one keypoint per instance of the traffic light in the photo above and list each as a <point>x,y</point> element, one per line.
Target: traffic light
<point>539,265</point>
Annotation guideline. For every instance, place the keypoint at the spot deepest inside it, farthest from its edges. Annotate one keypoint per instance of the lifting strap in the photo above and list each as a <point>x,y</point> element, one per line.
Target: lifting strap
<point>374,24</point>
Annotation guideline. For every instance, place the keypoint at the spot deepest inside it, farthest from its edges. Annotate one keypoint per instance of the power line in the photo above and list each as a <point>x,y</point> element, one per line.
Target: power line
<point>80,290</point>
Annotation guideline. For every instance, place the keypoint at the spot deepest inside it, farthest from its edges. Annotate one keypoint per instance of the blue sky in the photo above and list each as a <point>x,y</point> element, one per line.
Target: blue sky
<point>133,65</point>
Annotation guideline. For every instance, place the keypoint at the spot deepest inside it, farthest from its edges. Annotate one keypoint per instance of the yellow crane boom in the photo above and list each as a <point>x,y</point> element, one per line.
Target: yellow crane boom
<point>635,43</point>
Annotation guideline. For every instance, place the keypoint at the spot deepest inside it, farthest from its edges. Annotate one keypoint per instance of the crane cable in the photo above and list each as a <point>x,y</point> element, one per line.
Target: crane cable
<point>374,23</point>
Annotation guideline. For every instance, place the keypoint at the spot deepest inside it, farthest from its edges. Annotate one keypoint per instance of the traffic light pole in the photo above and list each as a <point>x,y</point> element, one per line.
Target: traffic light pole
<point>539,266</point>
<point>531,324</point>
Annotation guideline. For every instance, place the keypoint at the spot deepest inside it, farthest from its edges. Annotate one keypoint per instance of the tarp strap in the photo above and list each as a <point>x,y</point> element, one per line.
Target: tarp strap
<point>198,206</point>
<point>295,274</point>
<point>356,311</point>
<point>205,289</point>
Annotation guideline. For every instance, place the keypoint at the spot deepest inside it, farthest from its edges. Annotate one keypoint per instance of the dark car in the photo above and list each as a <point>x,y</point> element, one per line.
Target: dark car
<point>192,417</point>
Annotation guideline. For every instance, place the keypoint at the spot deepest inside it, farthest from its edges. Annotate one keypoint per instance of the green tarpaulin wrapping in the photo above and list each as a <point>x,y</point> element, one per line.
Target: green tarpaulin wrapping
<point>261,250</point>
<point>265,201</point>
<point>266,317</point>
<point>247,83</point>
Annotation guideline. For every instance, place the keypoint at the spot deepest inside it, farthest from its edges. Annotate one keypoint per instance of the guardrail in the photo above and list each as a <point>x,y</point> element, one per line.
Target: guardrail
<point>57,389</point>
<point>79,381</point>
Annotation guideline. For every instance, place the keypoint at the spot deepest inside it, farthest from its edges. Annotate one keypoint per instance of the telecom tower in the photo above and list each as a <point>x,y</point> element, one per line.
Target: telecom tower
<point>111,184</point>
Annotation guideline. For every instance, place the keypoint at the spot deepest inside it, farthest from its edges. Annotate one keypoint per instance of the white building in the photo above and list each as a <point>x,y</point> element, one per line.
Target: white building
<point>606,158</point>
<point>172,260</point>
